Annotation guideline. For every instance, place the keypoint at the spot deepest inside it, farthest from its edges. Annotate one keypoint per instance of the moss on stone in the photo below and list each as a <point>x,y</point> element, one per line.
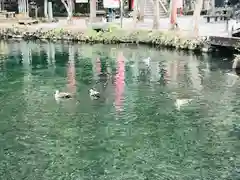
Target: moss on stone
<point>112,36</point>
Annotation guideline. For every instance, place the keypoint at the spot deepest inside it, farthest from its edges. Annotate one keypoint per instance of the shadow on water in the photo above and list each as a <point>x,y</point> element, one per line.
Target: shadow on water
<point>134,130</point>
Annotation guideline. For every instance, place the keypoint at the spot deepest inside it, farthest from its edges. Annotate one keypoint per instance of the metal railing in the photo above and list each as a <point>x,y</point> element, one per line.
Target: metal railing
<point>163,6</point>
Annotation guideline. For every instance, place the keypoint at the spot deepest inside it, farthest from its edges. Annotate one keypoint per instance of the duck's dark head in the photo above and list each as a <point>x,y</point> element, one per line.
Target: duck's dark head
<point>237,70</point>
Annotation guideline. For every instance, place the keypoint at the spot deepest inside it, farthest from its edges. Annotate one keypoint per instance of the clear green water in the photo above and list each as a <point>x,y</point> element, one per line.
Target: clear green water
<point>133,132</point>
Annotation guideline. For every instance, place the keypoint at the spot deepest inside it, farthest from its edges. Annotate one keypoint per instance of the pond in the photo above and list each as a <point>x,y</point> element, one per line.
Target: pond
<point>134,131</point>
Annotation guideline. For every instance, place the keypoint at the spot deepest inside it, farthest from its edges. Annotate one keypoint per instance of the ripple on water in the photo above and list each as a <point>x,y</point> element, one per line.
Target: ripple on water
<point>134,131</point>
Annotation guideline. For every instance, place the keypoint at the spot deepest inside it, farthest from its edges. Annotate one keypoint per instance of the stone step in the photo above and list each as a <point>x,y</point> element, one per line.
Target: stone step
<point>151,12</point>
<point>148,11</point>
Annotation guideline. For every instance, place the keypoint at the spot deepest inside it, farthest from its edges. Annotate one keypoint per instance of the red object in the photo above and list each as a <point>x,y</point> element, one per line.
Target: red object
<point>174,13</point>
<point>132,3</point>
<point>181,11</point>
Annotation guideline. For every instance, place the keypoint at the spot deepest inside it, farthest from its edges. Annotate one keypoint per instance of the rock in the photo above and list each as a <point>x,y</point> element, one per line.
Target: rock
<point>18,36</point>
<point>116,35</point>
<point>206,48</point>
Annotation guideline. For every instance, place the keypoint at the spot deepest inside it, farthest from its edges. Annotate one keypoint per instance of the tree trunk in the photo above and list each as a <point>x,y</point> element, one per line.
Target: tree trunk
<point>50,11</point>
<point>36,12</point>
<point>156,14</point>
<point>213,6</point>
<point>93,7</point>
<point>68,4</point>
<point>73,6</point>
<point>1,5</point>
<point>46,8</point>
<point>196,17</point>
<point>135,13</point>
<point>70,11</point>
<point>27,8</point>
<point>174,14</point>
<point>19,6</point>
<point>141,10</point>
<point>23,7</point>
<point>207,5</point>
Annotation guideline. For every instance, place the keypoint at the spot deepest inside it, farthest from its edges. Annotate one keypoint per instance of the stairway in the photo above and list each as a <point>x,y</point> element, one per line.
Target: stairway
<point>149,11</point>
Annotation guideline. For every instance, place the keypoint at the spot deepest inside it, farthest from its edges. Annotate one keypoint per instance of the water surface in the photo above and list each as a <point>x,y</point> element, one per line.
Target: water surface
<point>134,131</point>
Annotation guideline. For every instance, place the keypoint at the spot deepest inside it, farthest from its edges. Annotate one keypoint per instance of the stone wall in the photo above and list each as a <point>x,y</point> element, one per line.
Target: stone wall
<point>157,38</point>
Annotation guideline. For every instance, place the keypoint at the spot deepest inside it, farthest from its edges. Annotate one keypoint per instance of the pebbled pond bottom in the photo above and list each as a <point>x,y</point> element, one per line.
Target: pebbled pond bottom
<point>134,131</point>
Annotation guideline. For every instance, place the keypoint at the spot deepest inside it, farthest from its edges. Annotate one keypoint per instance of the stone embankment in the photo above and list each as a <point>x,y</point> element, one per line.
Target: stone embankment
<point>113,36</point>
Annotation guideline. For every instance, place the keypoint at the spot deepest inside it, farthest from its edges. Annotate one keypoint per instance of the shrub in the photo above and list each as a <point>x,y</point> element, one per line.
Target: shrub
<point>113,35</point>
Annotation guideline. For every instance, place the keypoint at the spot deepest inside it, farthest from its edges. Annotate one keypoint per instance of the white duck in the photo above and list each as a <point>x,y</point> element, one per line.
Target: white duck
<point>236,62</point>
<point>62,95</point>
<point>94,93</point>
<point>147,61</point>
<point>233,77</point>
<point>182,102</point>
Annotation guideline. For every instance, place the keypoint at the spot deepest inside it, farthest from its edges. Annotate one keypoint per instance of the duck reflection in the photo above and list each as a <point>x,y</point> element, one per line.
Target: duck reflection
<point>104,73</point>
<point>237,71</point>
<point>71,83</point>
<point>162,79</point>
<point>144,71</point>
